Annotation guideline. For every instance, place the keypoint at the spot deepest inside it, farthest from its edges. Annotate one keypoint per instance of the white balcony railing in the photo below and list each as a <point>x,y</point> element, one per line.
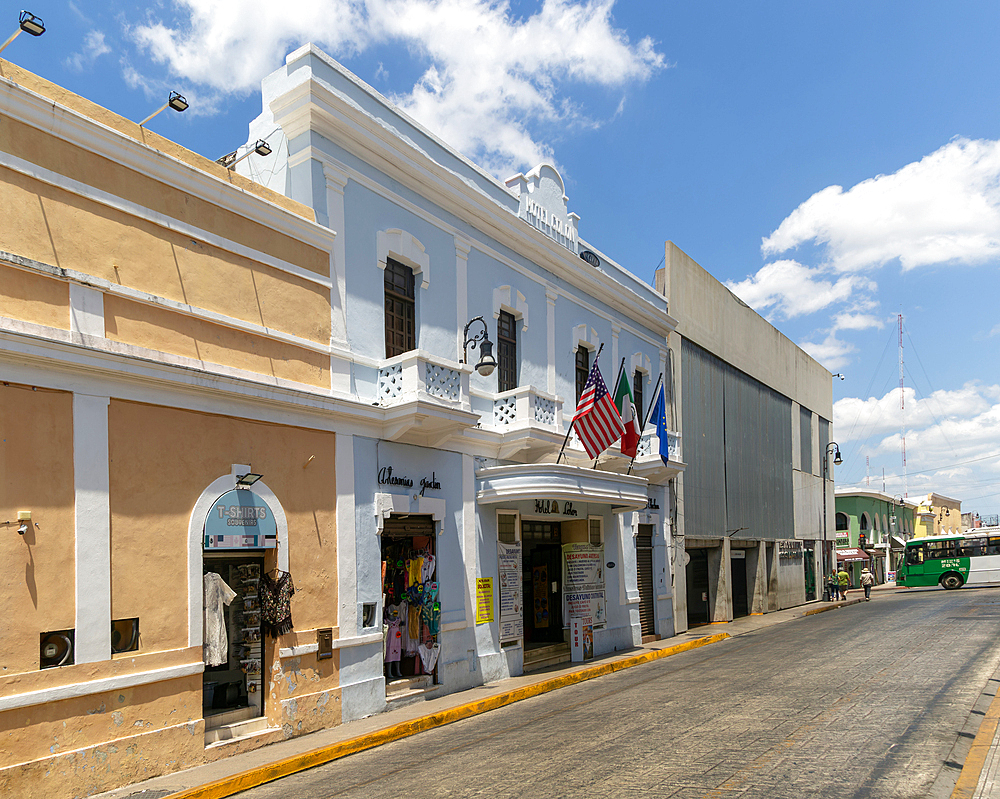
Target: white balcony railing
<point>416,375</point>
<point>525,406</point>
<point>649,444</point>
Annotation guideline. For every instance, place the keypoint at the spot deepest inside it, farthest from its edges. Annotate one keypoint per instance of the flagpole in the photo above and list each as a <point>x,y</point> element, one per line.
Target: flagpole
<point>645,420</point>
<point>618,379</point>
<point>566,440</point>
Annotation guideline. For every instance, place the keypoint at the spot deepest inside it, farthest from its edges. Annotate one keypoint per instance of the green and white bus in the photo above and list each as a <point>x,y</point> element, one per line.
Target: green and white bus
<point>951,561</point>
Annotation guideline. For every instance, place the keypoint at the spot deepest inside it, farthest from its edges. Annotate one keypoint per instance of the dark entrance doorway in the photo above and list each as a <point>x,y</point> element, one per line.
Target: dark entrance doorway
<point>738,570</point>
<point>541,575</point>
<point>644,564</point>
<point>809,563</point>
<point>697,587</point>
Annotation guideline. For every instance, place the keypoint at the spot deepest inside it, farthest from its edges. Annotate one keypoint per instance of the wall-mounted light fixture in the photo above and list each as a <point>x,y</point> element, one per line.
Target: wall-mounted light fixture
<point>174,100</point>
<point>487,363</point>
<point>247,480</point>
<point>24,517</point>
<point>28,23</point>
<point>837,374</point>
<point>261,148</point>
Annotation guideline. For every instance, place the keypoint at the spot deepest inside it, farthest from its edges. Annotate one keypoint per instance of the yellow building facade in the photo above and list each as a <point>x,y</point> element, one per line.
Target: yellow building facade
<point>938,515</point>
<point>165,328</point>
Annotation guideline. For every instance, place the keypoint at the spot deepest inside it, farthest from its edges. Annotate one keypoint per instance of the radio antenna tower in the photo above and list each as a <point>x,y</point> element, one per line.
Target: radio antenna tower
<point>902,407</point>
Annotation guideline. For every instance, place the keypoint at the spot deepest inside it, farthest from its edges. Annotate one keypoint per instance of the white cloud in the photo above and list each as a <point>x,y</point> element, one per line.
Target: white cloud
<point>490,79</point>
<point>833,353</point>
<point>94,46</point>
<point>944,208</point>
<point>787,288</point>
<point>952,442</point>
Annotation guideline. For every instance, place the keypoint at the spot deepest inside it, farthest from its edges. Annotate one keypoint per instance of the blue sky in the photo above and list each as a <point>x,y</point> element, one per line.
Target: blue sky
<point>835,165</point>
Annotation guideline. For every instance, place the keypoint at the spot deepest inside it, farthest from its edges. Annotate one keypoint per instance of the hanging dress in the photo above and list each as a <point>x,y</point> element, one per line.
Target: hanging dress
<point>215,648</point>
<point>276,603</point>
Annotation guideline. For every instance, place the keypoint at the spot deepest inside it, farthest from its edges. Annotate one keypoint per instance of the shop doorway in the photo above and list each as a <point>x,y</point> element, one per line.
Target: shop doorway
<point>738,572</point>
<point>697,587</point>
<point>234,655</point>
<point>411,602</point>
<point>809,564</point>
<point>644,565</point>
<point>541,576</point>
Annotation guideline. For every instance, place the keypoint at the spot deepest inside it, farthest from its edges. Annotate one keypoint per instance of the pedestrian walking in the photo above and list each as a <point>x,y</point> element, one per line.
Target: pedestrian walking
<point>867,581</point>
<point>844,582</point>
<point>832,586</point>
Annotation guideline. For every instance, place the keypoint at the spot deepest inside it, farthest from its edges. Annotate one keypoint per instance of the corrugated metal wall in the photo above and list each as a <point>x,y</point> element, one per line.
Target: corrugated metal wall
<point>737,436</point>
<point>805,439</point>
<point>824,444</point>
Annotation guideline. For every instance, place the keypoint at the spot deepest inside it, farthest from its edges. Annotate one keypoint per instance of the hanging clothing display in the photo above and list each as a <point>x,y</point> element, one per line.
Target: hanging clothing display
<point>412,610</point>
<point>276,603</point>
<point>218,595</point>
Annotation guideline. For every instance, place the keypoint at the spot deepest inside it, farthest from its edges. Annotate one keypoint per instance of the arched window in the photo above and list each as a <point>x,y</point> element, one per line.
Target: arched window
<point>843,523</point>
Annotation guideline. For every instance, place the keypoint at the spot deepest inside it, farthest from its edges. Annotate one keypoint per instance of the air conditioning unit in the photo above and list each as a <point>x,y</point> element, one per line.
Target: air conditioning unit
<point>124,635</point>
<point>56,649</point>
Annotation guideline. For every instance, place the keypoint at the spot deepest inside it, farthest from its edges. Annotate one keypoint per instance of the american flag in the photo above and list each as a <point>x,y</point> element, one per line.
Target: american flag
<point>596,421</point>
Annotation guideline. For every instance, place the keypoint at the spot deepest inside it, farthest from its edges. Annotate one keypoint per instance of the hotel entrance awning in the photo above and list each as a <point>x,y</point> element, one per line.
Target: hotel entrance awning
<point>558,481</point>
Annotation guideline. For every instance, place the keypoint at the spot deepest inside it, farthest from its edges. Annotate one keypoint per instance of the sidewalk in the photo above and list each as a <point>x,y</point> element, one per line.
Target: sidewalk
<point>228,776</point>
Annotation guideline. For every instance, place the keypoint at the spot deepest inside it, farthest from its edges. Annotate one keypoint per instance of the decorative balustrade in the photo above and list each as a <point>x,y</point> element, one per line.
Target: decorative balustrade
<point>416,375</point>
<point>649,444</point>
<point>524,406</point>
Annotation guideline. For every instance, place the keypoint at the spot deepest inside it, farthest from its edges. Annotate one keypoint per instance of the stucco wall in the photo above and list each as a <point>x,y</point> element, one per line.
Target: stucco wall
<point>161,461</point>
<point>36,453</point>
<point>33,298</point>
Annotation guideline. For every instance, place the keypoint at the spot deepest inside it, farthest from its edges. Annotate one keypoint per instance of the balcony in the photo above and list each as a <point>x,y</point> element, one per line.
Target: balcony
<point>528,421</point>
<point>426,399</point>
<point>648,463</point>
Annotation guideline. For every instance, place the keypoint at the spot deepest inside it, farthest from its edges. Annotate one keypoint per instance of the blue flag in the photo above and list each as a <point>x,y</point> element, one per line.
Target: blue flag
<point>660,420</point>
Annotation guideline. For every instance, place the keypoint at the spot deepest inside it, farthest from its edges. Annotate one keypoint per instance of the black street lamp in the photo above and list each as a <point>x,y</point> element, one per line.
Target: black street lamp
<point>487,363</point>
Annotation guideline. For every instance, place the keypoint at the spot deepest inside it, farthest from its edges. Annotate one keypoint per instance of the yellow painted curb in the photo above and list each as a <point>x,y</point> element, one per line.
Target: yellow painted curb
<point>227,786</point>
<point>976,759</point>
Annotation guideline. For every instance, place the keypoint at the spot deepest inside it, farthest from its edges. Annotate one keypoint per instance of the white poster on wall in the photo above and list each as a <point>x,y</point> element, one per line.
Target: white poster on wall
<point>583,583</point>
<point>511,599</point>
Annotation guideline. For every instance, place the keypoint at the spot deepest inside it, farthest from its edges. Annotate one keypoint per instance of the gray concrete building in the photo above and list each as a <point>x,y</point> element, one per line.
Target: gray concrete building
<point>754,509</point>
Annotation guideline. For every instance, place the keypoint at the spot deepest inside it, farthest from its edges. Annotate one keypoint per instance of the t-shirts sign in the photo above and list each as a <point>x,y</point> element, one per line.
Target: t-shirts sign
<point>240,519</point>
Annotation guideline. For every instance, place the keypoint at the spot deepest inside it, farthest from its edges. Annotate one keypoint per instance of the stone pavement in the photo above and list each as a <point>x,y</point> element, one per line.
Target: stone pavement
<point>227,776</point>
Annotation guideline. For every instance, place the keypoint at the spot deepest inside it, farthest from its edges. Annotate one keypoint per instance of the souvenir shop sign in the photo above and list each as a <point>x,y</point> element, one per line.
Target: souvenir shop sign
<point>511,594</point>
<point>240,519</point>
<point>484,600</point>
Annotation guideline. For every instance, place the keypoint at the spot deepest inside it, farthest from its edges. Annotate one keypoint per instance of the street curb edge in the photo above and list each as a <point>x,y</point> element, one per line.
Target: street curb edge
<point>972,769</point>
<point>227,786</point>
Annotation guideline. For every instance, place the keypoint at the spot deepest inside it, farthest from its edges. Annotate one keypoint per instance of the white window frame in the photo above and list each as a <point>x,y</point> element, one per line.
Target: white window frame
<point>600,520</point>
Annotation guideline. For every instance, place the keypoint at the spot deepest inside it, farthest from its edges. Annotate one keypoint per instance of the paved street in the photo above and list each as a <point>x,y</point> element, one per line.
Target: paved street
<point>872,700</point>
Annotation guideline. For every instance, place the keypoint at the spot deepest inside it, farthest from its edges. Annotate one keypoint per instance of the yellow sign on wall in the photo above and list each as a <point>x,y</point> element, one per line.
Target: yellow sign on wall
<point>484,600</point>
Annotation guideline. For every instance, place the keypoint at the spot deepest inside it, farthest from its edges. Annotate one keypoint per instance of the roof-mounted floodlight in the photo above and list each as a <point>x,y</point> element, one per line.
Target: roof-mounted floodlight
<point>261,148</point>
<point>28,23</point>
<point>175,101</point>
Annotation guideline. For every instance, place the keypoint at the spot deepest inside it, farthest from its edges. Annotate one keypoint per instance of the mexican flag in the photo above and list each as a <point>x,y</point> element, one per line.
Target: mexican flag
<point>630,422</point>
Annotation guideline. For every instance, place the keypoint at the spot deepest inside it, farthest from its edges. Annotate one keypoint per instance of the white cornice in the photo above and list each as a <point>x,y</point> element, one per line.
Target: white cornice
<point>314,105</point>
<point>538,277</point>
<point>40,112</point>
<point>145,298</point>
<point>91,687</point>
